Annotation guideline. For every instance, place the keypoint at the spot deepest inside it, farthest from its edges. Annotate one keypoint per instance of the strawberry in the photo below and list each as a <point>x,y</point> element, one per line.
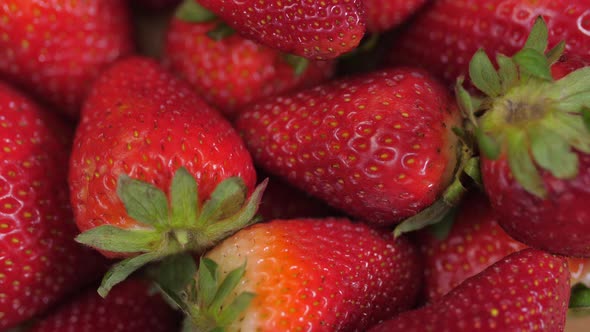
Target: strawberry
<point>447,33</point>
<point>383,15</point>
<point>377,146</point>
<point>233,71</point>
<point>55,50</point>
<point>39,260</point>
<point>154,5</point>
<point>303,274</point>
<point>318,30</point>
<point>132,307</point>
<point>533,131</point>
<point>154,170</point>
<point>526,291</point>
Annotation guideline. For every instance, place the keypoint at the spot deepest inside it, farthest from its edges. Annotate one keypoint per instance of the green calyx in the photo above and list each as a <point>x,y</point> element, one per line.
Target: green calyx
<point>537,123</point>
<point>580,297</point>
<point>192,11</point>
<point>210,303</point>
<point>171,226</point>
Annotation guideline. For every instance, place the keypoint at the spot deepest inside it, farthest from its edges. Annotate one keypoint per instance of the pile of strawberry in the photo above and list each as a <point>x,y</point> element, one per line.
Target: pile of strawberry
<point>294,165</point>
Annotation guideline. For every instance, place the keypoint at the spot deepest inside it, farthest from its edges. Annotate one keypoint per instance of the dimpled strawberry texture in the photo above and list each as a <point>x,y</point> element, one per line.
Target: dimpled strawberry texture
<point>141,121</point>
<point>379,147</point>
<point>314,29</point>
<point>39,260</point>
<point>56,48</point>
<point>383,15</point>
<point>320,274</point>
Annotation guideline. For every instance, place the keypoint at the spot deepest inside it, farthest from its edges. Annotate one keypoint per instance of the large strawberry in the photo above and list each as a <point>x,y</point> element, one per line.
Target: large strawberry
<point>231,71</point>
<point>378,146</point>
<point>132,306</point>
<point>56,48</point>
<point>383,15</point>
<point>526,291</point>
<point>303,274</point>
<point>39,260</point>
<point>447,33</point>
<point>154,170</point>
<point>313,29</point>
<point>535,141</point>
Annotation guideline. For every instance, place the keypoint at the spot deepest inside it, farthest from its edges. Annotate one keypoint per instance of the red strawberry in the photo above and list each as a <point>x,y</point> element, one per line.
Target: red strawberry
<point>474,242</point>
<point>233,71</point>
<point>383,15</point>
<point>313,29</point>
<point>39,261</point>
<point>131,307</point>
<point>535,138</point>
<point>154,170</point>
<point>446,35</point>
<point>56,49</point>
<point>378,146</point>
<point>305,274</point>
<point>526,291</point>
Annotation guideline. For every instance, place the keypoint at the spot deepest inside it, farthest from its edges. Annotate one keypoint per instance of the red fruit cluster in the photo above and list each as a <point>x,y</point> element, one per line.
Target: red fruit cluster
<point>247,181</point>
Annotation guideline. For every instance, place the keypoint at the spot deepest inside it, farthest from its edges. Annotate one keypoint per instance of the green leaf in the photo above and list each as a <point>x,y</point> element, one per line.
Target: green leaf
<point>144,202</point>
<point>175,272</point>
<point>115,239</point>
<point>556,52</point>
<point>187,325</point>
<point>533,63</point>
<point>433,214</point>
<point>473,170</point>
<point>232,312</point>
<point>483,74</point>
<point>299,64</point>
<point>227,198</point>
<point>508,72</point>
<point>123,269</point>
<point>487,145</point>
<point>572,128</point>
<point>465,101</point>
<point>522,166</point>
<point>586,117</point>
<point>221,31</point>
<point>553,153</point>
<point>538,37</point>
<point>442,229</point>
<point>184,199</point>
<point>207,281</point>
<point>227,286</point>
<point>580,296</point>
<point>192,11</point>
<point>573,84</point>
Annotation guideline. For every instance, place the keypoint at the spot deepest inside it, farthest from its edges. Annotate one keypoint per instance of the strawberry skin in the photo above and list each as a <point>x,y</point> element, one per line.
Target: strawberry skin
<point>313,29</point>
<point>526,291</point>
<point>383,15</point>
<point>39,260</point>
<point>234,71</point>
<point>445,36</point>
<point>378,146</point>
<point>55,49</point>
<point>132,306</point>
<point>320,274</point>
<point>140,121</point>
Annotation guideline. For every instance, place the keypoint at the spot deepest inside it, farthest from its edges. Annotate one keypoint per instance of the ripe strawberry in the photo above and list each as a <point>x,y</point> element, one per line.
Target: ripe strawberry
<point>233,71</point>
<point>131,307</point>
<point>313,29</point>
<point>384,15</point>
<point>39,261</point>
<point>526,291</point>
<point>378,146</point>
<point>154,170</point>
<point>304,274</point>
<point>535,139</point>
<point>56,49</point>
<point>445,36</point>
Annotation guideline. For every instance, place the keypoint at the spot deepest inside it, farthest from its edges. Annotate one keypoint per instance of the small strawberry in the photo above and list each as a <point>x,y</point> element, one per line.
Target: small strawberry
<point>526,291</point>
<point>39,260</point>
<point>231,71</point>
<point>132,306</point>
<point>318,30</point>
<point>56,49</point>
<point>154,170</point>
<point>384,15</point>
<point>378,146</point>
<point>304,274</point>
<point>447,33</point>
<point>534,134</point>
